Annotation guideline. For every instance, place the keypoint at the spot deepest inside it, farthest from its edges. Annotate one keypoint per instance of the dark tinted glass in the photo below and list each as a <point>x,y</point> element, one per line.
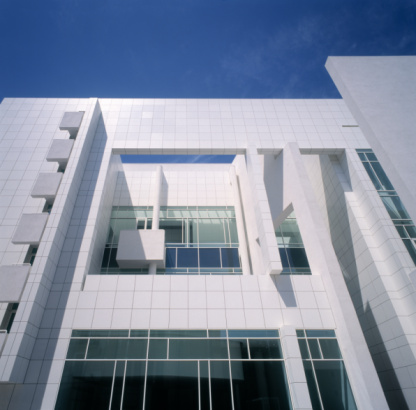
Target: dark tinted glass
<point>385,182</point>
<point>77,348</point>
<point>187,258</point>
<point>330,349</point>
<point>178,333</point>
<point>171,257</point>
<point>297,257</point>
<point>158,348</point>
<point>172,385</point>
<point>372,176</point>
<point>334,385</point>
<point>209,257</point>
<point>220,385</point>
<point>238,348</point>
<point>265,349</point>
<point>112,263</point>
<point>395,207</point>
<point>312,387</point>
<point>303,349</point>
<point>100,333</point>
<point>314,348</point>
<point>139,333</point>
<point>134,385</point>
<point>117,349</point>
<point>198,349</point>
<point>85,386</point>
<point>230,258</point>
<point>283,258</point>
<point>118,386</point>
<point>204,385</point>
<point>320,333</point>
<point>253,333</point>
<point>251,392</point>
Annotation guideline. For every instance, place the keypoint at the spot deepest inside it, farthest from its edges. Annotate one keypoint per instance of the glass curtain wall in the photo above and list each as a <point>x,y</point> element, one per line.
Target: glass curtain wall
<point>174,369</point>
<point>328,384</point>
<point>291,248</point>
<point>198,240</point>
<point>398,214</point>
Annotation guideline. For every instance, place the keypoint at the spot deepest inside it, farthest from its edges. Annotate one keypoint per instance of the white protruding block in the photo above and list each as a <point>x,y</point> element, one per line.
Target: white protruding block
<point>138,249</point>
<point>46,186</point>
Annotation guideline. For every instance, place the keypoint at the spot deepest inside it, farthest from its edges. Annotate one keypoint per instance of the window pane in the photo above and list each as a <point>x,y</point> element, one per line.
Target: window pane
<point>77,348</point>
<point>209,258</point>
<point>330,349</point>
<point>334,385</point>
<point>173,230</point>
<point>395,207</point>
<point>312,387</point>
<point>211,231</point>
<point>85,385</point>
<point>238,348</point>
<point>198,349</point>
<point>191,236</point>
<point>172,385</point>
<point>233,230</point>
<point>171,257</point>
<point>117,349</point>
<point>259,385</point>
<point>230,258</point>
<point>320,333</point>
<point>303,349</point>
<point>178,333</point>
<point>265,349</point>
<point>290,232</point>
<point>314,348</point>
<point>283,257</point>
<point>187,258</point>
<point>220,385</point>
<point>297,257</point>
<point>385,182</point>
<point>118,386</point>
<point>158,348</point>
<point>372,176</point>
<point>134,385</point>
<point>253,333</point>
<point>204,385</point>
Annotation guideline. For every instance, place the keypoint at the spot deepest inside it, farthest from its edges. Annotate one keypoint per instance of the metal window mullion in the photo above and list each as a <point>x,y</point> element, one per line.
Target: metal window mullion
<point>124,383</point>
<point>199,386</point>
<point>86,349</point>
<point>112,385</point>
<point>145,372</point>
<point>314,374</point>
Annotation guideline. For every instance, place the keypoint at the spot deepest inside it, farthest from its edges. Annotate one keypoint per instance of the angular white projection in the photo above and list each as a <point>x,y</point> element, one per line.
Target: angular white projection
<point>137,249</point>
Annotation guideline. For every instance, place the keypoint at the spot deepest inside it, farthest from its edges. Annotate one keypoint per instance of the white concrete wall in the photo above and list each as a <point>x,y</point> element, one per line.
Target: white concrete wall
<point>381,94</point>
<point>366,244</point>
<point>73,299</point>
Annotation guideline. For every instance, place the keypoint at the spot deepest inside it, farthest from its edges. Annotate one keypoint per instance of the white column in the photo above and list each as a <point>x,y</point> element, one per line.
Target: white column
<point>267,237</point>
<point>243,250</point>
<point>294,366</point>
<point>156,210</point>
<point>323,261</point>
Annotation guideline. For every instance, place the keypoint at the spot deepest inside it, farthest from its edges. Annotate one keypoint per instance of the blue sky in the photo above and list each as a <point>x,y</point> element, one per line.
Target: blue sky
<point>192,48</point>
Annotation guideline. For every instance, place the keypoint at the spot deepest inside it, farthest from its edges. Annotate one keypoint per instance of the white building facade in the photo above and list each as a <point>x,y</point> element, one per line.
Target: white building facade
<point>284,280</point>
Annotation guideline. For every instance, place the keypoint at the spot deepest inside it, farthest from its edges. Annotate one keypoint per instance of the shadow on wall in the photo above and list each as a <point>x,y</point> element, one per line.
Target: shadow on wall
<point>284,286</point>
<point>343,243</point>
<point>65,274</point>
